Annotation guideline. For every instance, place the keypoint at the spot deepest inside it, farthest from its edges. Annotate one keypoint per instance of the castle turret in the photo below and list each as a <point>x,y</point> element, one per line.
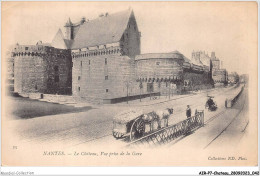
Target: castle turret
<point>213,56</point>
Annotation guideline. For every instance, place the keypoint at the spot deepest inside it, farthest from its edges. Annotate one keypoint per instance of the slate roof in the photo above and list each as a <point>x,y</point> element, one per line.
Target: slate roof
<point>59,41</point>
<point>171,55</point>
<point>68,43</point>
<point>103,30</point>
<point>184,57</point>
<point>196,62</point>
<point>205,60</point>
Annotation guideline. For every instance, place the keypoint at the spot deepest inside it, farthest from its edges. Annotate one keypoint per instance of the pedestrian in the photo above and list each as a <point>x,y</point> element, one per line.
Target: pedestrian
<point>188,111</point>
<point>188,114</point>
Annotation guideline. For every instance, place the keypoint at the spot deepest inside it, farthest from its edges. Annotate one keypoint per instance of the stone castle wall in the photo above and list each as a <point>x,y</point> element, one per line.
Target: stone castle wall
<point>102,77</point>
<point>220,76</point>
<point>198,80</point>
<point>42,69</point>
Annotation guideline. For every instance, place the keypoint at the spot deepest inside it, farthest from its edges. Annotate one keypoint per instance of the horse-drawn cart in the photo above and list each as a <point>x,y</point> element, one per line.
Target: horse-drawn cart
<point>133,123</point>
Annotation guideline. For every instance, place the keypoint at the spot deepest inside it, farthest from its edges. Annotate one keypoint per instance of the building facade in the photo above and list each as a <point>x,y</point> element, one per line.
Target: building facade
<point>10,73</point>
<point>41,69</point>
<point>103,57</point>
<point>100,60</point>
<point>213,64</point>
<point>220,76</point>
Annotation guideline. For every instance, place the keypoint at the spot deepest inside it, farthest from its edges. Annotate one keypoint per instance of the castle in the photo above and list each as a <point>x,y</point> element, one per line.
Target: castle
<point>100,60</point>
<point>219,75</point>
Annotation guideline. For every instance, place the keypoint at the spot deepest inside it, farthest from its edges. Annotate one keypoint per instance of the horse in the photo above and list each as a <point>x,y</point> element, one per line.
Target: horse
<point>163,115</point>
<point>149,119</point>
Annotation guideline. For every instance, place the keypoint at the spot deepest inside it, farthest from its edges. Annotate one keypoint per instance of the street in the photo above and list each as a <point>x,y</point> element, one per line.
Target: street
<point>94,127</point>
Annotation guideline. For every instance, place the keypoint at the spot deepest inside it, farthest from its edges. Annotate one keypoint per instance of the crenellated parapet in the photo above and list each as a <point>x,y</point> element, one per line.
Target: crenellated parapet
<point>99,50</point>
<point>38,50</point>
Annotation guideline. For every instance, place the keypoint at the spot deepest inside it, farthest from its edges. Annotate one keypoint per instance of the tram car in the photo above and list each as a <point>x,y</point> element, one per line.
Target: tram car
<point>133,123</point>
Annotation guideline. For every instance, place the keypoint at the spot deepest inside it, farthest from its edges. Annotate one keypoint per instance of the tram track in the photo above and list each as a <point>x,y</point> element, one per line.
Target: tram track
<point>180,112</point>
<point>233,119</point>
<point>61,136</point>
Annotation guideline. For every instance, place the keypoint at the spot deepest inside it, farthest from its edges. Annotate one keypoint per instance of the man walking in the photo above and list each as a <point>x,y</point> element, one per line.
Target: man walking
<point>188,111</point>
<point>188,114</point>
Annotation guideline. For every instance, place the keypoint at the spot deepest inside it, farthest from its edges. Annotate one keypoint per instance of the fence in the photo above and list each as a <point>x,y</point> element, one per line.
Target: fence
<point>170,133</point>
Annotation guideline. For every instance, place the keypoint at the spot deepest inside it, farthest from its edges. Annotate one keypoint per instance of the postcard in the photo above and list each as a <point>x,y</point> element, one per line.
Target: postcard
<point>129,84</point>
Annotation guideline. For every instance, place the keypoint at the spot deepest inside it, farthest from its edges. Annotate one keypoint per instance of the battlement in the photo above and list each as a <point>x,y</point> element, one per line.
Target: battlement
<point>97,50</point>
<point>38,50</point>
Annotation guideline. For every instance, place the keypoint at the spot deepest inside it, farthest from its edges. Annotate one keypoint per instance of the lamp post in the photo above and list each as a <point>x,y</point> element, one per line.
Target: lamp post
<point>140,86</point>
<point>169,90</point>
<point>159,85</point>
<point>127,83</point>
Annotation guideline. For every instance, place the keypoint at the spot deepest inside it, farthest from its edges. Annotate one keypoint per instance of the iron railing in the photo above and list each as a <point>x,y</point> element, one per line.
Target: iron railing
<point>170,133</point>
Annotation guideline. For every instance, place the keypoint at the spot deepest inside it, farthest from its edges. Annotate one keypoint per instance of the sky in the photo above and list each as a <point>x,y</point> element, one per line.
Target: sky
<point>227,28</point>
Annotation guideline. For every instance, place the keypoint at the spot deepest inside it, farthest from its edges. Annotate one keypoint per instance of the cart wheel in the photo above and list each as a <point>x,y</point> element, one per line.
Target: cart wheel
<point>137,129</point>
<point>117,135</point>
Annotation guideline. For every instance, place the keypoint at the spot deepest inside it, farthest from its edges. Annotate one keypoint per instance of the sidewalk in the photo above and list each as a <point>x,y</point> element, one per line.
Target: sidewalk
<point>214,127</point>
<point>160,99</point>
<point>71,101</point>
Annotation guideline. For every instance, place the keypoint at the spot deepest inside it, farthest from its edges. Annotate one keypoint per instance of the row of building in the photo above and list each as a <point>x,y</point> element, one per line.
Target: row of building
<point>100,60</point>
